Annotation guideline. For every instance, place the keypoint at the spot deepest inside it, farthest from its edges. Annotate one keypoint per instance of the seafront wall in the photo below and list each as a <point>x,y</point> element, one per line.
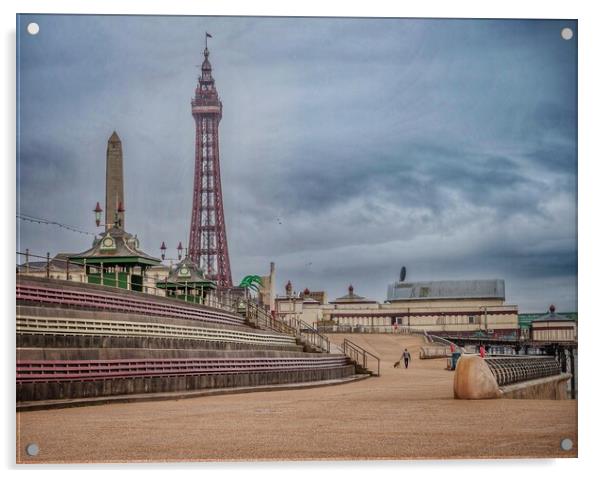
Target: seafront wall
<point>549,388</point>
<point>526,377</point>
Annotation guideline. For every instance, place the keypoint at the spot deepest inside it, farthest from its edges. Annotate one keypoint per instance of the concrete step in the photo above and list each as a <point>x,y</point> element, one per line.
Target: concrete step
<point>61,328</point>
<point>59,341</point>
<point>100,315</point>
<point>79,296</point>
<point>148,397</point>
<point>57,381</point>
<point>35,353</point>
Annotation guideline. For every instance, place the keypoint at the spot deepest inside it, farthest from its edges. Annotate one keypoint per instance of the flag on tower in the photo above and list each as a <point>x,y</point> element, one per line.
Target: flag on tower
<point>208,34</point>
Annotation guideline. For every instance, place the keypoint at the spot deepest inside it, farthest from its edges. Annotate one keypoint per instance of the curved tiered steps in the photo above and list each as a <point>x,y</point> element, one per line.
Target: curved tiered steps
<point>57,327</point>
<point>81,344</point>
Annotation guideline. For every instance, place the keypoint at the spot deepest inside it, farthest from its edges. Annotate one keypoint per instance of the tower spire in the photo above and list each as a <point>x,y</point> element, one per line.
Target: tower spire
<point>206,76</point>
<point>207,242</point>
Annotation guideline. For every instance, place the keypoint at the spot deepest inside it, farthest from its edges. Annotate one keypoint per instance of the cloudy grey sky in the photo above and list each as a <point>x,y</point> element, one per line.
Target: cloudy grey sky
<point>349,147</point>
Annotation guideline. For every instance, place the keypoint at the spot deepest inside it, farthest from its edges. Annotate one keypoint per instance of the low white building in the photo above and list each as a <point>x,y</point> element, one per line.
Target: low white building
<point>554,328</point>
<point>437,306</point>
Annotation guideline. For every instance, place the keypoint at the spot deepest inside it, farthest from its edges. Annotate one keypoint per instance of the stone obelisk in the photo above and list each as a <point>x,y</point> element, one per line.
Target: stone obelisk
<point>114,200</point>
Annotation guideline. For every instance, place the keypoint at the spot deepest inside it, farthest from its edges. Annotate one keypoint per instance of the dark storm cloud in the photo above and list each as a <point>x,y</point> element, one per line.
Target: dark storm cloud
<point>348,147</point>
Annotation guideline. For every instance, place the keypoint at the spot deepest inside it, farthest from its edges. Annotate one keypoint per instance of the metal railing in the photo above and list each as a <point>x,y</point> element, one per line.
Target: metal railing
<point>361,356</point>
<point>261,318</point>
<point>509,335</point>
<point>435,351</point>
<point>364,329</point>
<point>509,370</point>
<point>441,341</point>
<point>240,306</point>
<point>310,335</point>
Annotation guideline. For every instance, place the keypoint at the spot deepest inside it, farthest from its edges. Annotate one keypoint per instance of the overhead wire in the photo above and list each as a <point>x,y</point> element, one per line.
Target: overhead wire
<point>39,220</point>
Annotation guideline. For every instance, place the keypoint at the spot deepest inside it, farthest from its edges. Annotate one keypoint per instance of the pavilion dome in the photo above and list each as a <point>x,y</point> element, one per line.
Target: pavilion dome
<point>551,315</point>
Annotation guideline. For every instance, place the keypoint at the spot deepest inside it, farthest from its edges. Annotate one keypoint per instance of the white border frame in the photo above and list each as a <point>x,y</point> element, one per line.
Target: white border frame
<point>590,82</point>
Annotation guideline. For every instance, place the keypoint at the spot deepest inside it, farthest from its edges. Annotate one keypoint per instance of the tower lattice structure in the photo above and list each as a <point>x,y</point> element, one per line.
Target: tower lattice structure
<point>208,246</point>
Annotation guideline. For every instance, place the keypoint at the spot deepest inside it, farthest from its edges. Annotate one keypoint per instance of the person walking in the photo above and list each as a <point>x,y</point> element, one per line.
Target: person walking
<point>406,357</point>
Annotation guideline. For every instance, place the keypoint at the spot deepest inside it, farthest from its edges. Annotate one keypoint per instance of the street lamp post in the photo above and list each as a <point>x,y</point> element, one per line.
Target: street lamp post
<point>97,214</point>
<point>289,294</point>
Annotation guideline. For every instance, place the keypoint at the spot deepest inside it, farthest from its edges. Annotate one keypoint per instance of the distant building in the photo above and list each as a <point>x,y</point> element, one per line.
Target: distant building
<point>437,306</point>
<point>455,305</point>
<point>525,320</point>
<point>317,295</point>
<point>553,327</point>
<point>186,281</point>
<point>58,267</point>
<point>447,290</point>
<point>352,298</point>
<point>116,260</point>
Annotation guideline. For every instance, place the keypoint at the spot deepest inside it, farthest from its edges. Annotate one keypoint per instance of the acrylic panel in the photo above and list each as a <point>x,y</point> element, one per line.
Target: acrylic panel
<point>273,238</point>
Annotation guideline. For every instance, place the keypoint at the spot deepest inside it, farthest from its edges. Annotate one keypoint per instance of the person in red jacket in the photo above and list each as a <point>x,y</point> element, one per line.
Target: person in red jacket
<point>482,351</point>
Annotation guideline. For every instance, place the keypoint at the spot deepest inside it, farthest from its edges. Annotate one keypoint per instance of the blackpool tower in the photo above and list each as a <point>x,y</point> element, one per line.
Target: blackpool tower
<point>208,246</point>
